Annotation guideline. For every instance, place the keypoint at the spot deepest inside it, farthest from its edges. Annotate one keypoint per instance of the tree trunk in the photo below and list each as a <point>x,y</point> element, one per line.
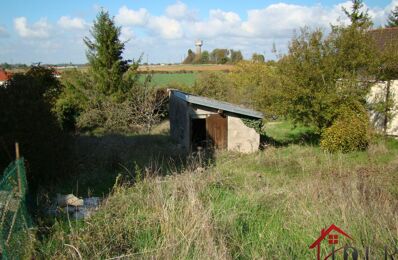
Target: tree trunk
<point>387,107</point>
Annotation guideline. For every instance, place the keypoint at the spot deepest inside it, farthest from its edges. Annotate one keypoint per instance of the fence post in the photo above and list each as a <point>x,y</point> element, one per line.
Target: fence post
<point>18,174</point>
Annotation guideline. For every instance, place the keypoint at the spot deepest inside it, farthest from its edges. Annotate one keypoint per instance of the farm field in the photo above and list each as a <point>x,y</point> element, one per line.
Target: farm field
<point>186,67</point>
<point>271,204</point>
<point>166,79</point>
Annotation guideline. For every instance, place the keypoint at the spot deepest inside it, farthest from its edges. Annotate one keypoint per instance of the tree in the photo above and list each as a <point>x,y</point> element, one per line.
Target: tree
<point>5,66</point>
<point>392,20</point>
<point>236,56</point>
<point>105,55</point>
<point>74,99</point>
<point>205,57</point>
<point>357,16</point>
<point>26,116</point>
<point>212,84</point>
<point>190,57</point>
<point>322,74</point>
<point>143,107</point>
<point>219,56</point>
<point>255,85</point>
<point>258,58</point>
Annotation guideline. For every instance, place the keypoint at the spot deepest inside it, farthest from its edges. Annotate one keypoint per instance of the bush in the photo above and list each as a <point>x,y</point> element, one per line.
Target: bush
<point>213,85</point>
<point>349,132</point>
<point>72,100</point>
<point>26,116</point>
<point>143,107</point>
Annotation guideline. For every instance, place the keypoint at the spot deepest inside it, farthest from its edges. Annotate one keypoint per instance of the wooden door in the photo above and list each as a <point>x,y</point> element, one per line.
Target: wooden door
<point>217,130</point>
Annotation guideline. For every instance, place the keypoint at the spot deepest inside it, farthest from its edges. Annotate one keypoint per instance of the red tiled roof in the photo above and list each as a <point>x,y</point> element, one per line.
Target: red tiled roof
<point>4,75</point>
<point>385,36</point>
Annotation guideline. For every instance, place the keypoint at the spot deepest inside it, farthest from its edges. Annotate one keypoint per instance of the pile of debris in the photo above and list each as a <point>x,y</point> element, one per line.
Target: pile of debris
<point>72,205</point>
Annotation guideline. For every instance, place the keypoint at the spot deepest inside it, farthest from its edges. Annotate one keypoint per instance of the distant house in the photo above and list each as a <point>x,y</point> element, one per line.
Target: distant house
<point>4,77</point>
<point>199,122</point>
<point>385,37</point>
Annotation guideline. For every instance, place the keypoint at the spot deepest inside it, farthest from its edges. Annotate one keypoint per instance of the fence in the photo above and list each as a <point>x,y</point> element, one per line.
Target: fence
<point>15,236</point>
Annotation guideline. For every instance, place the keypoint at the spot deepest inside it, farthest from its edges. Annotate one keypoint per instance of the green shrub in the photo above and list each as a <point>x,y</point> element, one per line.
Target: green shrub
<point>349,132</point>
<point>215,85</point>
<point>26,116</point>
<point>72,100</point>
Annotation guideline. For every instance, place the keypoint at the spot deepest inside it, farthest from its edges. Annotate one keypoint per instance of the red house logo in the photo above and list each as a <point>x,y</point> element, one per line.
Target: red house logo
<point>333,239</point>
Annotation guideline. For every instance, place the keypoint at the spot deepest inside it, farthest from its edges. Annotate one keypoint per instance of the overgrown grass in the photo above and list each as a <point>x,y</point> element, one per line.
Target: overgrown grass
<point>271,204</point>
<point>284,132</point>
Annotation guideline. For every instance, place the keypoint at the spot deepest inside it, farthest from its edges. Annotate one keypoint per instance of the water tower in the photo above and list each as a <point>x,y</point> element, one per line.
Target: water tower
<point>198,44</point>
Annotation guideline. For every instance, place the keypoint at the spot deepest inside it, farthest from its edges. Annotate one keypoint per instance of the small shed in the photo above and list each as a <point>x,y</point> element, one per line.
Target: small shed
<point>197,121</point>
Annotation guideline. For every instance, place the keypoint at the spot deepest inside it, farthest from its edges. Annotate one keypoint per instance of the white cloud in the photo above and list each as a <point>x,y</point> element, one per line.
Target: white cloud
<point>40,29</point>
<point>128,16</point>
<point>166,27</point>
<point>126,34</point>
<point>3,32</point>
<point>67,22</point>
<point>274,21</point>
<point>180,11</point>
<point>220,23</point>
<point>379,15</point>
<point>165,37</point>
<point>163,26</point>
<point>392,5</point>
<point>278,20</point>
<point>228,17</point>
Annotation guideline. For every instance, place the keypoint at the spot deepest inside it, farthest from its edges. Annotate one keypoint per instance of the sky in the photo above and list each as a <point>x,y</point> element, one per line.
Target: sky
<point>52,31</point>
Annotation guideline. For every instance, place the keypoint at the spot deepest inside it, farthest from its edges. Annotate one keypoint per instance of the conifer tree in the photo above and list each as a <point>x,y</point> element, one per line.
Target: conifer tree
<point>358,17</point>
<point>105,54</point>
<point>392,20</point>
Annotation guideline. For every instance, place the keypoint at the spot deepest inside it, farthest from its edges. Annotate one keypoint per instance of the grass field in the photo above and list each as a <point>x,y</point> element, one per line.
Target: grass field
<point>167,79</point>
<point>166,75</point>
<point>271,204</point>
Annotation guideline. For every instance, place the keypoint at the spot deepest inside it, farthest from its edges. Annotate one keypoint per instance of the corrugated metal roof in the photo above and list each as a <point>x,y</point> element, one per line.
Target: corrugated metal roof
<point>225,106</point>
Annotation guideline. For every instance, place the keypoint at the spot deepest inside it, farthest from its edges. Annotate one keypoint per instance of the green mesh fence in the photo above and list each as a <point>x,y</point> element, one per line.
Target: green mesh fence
<point>15,237</point>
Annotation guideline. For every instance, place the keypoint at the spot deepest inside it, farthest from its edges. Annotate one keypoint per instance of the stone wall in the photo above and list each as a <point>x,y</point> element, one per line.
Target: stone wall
<point>241,138</point>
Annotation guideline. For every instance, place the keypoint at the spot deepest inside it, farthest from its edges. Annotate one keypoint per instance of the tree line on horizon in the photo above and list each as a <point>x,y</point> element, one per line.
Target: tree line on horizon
<point>219,56</point>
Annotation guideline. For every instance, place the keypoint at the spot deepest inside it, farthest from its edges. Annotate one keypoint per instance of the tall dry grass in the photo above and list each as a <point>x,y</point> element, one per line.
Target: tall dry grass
<point>269,205</point>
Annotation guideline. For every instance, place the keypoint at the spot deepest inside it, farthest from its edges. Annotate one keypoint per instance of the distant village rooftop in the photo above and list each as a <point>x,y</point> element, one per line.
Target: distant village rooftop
<point>4,76</point>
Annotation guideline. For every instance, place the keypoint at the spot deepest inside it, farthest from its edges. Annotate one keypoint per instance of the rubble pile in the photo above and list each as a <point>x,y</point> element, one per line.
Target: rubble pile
<point>77,208</point>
